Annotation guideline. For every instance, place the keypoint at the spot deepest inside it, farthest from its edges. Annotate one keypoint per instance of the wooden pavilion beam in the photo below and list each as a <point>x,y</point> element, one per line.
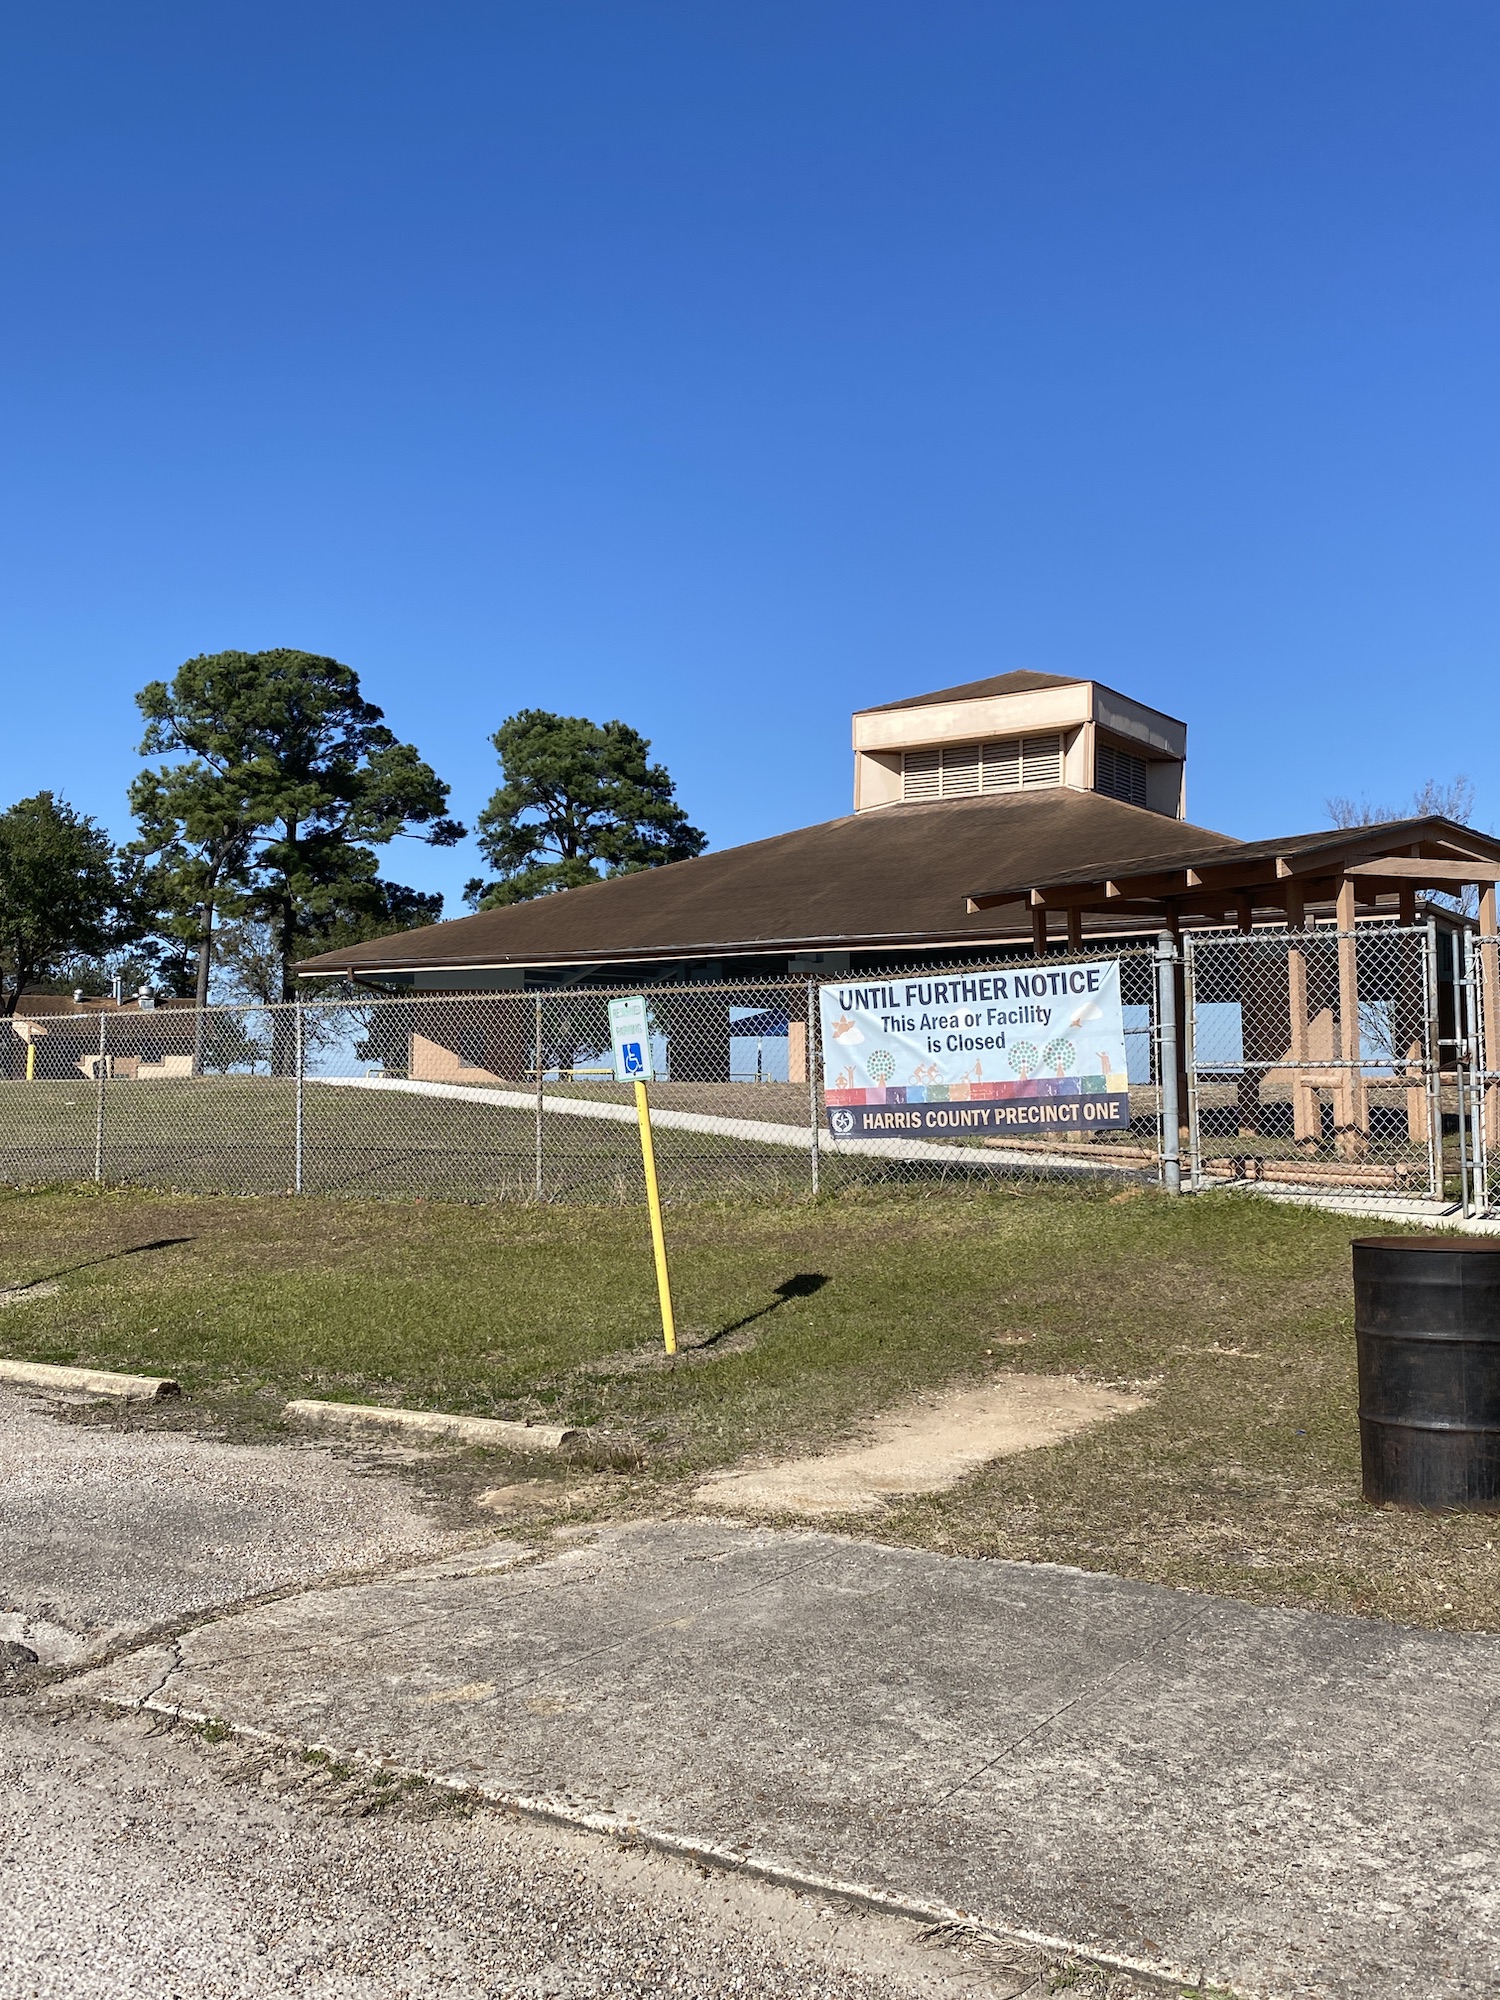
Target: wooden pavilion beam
<point>1426,873</point>
<point>1226,885</point>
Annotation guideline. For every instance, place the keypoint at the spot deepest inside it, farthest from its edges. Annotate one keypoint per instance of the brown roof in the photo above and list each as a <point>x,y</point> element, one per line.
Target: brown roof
<point>899,875</point>
<point>1384,835</point>
<point>1429,852</point>
<point>1021,682</point>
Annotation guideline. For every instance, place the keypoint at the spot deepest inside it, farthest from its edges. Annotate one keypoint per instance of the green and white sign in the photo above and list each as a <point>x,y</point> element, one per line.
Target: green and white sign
<point>630,1034</point>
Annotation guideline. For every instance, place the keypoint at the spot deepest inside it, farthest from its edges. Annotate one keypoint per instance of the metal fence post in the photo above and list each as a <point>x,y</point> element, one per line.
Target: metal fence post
<point>814,1039</point>
<point>100,1068</point>
<point>1190,1064</point>
<point>1166,1022</point>
<point>1432,1058</point>
<point>1460,1064</point>
<point>537,1065</point>
<point>297,1019</point>
<point>1477,1059</point>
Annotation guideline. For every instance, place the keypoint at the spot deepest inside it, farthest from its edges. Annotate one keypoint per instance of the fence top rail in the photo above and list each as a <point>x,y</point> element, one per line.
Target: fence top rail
<point>1324,933</point>
<point>689,989</point>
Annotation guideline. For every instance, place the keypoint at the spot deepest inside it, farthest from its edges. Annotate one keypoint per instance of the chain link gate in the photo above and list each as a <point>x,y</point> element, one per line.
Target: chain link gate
<point>499,1096</point>
<point>1313,1059</point>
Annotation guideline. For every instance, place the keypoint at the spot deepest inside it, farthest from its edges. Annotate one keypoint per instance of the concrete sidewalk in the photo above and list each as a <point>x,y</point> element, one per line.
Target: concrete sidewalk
<point>1285,1803</point>
<point>755,1131</point>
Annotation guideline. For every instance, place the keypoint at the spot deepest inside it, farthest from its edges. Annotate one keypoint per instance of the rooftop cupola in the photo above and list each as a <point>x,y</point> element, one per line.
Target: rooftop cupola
<point>1015,733</point>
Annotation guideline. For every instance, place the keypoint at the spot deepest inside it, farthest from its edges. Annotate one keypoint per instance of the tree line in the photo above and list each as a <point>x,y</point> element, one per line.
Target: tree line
<point>257,833</point>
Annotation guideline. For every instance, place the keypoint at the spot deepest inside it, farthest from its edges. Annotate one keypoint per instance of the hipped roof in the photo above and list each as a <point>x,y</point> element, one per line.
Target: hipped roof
<point>1023,681</point>
<point>898,876</point>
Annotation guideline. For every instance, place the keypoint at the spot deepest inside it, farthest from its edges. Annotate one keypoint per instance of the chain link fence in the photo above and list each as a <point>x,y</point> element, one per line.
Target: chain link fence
<point>496,1097</point>
<point>1311,1059</point>
<point>1315,1060</point>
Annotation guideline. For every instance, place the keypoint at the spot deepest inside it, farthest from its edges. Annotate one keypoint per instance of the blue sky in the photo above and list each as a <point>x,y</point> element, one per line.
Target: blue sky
<point>726,369</point>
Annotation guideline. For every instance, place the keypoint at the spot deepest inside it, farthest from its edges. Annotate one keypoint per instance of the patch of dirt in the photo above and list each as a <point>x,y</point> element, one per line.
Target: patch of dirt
<point>691,1347</point>
<point>924,1447</point>
<point>20,1295</point>
<point>520,1494</point>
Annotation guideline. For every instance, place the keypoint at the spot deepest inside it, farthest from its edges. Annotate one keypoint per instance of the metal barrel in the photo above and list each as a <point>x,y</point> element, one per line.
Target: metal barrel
<point>1427,1327</point>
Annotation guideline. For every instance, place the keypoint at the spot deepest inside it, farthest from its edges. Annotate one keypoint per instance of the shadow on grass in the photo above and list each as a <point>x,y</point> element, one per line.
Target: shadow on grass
<point>802,1286</point>
<point>89,1263</point>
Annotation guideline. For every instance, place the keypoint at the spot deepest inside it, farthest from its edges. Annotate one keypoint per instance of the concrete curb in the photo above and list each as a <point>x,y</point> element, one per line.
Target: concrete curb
<point>89,1381</point>
<point>491,1431</point>
<point>1440,1216</point>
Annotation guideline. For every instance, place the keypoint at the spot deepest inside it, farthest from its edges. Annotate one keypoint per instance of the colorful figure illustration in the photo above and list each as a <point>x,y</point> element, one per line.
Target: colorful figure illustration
<point>1024,1058</point>
<point>1059,1056</point>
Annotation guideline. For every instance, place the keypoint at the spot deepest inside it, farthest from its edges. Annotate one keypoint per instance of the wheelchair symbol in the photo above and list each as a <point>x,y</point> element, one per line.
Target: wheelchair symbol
<point>634,1061</point>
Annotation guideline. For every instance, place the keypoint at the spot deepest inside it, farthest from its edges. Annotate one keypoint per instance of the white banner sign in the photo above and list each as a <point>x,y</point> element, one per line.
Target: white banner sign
<point>1021,1050</point>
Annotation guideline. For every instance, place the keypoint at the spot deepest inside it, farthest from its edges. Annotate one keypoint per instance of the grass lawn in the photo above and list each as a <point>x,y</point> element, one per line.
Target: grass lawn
<point>1240,1476</point>
<point>237,1135</point>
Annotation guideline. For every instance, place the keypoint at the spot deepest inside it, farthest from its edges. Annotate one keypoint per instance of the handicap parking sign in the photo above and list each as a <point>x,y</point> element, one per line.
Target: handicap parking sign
<point>630,1034</point>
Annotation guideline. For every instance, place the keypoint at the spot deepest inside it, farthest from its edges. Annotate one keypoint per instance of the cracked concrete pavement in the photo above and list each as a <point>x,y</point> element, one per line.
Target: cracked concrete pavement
<point>106,1534</point>
<point>165,1866</point>
<point>1281,1803</point>
<point>144,1858</point>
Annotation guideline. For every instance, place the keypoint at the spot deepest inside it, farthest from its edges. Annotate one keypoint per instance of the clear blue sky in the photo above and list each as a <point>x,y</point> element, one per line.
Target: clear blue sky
<point>727,368</point>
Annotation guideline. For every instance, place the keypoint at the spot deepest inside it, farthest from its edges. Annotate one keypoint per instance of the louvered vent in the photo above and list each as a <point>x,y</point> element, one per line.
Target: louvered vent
<point>922,774</point>
<point>1041,760</point>
<point>961,770</point>
<point>1119,775</point>
<point>963,766</point>
<point>1002,767</point>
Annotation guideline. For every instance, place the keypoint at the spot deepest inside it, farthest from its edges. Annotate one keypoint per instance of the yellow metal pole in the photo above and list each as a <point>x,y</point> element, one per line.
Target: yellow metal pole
<point>30,1060</point>
<point>653,1202</point>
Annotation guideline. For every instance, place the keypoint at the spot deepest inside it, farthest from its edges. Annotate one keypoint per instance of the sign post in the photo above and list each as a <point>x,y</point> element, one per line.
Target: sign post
<point>28,1031</point>
<point>630,1035</point>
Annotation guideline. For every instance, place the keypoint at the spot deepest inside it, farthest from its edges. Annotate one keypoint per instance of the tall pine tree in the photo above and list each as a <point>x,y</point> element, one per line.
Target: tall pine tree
<point>290,782</point>
<point>579,800</point>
